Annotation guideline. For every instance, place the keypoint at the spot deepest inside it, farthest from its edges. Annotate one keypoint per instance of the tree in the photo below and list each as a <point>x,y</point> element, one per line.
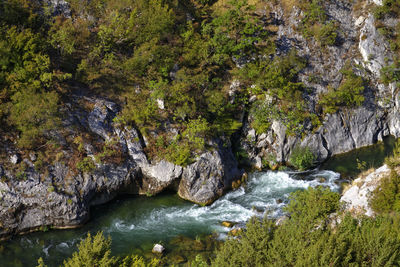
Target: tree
<point>93,251</point>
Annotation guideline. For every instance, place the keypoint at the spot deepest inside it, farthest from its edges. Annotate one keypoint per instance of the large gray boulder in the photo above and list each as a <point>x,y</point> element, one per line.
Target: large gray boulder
<point>158,176</point>
<point>209,177</point>
<point>355,198</point>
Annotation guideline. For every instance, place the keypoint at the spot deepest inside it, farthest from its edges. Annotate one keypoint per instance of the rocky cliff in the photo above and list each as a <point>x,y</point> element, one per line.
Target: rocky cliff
<point>358,42</point>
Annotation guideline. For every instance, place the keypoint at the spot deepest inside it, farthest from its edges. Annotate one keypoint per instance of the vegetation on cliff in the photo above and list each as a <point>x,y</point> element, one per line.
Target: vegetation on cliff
<point>182,78</point>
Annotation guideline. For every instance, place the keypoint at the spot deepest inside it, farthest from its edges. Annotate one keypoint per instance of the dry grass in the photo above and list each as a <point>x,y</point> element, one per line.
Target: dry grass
<point>288,5</point>
<point>222,5</point>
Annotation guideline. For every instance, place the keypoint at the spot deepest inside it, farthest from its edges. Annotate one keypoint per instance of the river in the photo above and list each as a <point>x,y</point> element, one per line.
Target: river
<point>136,223</point>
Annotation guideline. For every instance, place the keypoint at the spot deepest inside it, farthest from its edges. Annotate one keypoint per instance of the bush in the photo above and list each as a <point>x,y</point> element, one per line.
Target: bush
<point>327,34</point>
<point>386,197</point>
<point>86,165</point>
<point>96,251</point>
<point>92,251</point>
<point>348,94</point>
<point>302,158</point>
<point>312,242</point>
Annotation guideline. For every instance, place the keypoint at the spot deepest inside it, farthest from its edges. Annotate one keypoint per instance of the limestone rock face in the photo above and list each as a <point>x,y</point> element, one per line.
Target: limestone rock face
<point>159,176</point>
<point>100,118</point>
<point>59,200</point>
<point>359,42</point>
<point>373,47</point>
<point>205,180</point>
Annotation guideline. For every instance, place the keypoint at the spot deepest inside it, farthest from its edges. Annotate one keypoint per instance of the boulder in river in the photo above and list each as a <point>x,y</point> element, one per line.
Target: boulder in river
<point>158,249</point>
<point>210,176</point>
<point>227,224</point>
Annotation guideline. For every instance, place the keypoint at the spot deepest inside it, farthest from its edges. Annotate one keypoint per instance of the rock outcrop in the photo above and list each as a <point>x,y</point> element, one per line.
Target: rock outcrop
<point>356,197</point>
<point>205,180</point>
<point>59,199</point>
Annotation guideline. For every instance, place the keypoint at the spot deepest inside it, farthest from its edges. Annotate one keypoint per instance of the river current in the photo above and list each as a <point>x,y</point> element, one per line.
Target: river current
<point>136,223</point>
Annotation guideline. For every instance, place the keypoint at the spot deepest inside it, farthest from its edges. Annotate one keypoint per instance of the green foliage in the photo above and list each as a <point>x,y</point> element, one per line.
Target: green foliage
<point>196,131</point>
<point>348,94</point>
<point>302,158</point>
<point>92,251</point>
<point>394,160</point>
<point>313,204</point>
<point>198,262</point>
<point>390,73</point>
<point>96,251</point>
<point>29,99</point>
<point>386,197</point>
<point>179,153</point>
<point>389,7</point>
<point>280,96</point>
<point>136,261</point>
<point>259,112</point>
<point>234,32</point>
<point>41,263</point>
<point>326,34</point>
<point>86,165</point>
<point>316,24</point>
<point>306,239</point>
<point>361,165</point>
<point>180,148</point>
<point>111,152</point>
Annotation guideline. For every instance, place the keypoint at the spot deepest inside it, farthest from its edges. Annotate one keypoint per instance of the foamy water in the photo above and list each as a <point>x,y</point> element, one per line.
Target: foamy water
<point>138,223</point>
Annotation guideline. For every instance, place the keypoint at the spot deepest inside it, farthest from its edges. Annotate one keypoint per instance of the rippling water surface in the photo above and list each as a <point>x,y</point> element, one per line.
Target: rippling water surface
<point>136,223</point>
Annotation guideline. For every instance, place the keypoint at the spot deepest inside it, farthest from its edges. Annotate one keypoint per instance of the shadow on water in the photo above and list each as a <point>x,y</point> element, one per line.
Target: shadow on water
<point>117,219</point>
<point>373,156</point>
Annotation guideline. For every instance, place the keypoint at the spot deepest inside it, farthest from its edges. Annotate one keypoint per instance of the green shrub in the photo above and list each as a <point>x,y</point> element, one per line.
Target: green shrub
<point>390,73</point>
<point>306,239</point>
<point>315,23</point>
<point>86,165</point>
<point>302,158</point>
<point>96,251</point>
<point>92,251</point>
<point>313,204</point>
<point>327,34</point>
<point>386,197</point>
<point>389,7</point>
<point>260,113</point>
<point>350,93</point>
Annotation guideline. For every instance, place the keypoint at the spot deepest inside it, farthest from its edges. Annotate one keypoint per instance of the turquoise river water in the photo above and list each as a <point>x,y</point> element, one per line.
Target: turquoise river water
<point>136,223</point>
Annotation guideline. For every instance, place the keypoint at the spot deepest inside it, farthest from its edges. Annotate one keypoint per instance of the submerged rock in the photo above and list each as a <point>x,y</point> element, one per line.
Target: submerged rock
<point>227,224</point>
